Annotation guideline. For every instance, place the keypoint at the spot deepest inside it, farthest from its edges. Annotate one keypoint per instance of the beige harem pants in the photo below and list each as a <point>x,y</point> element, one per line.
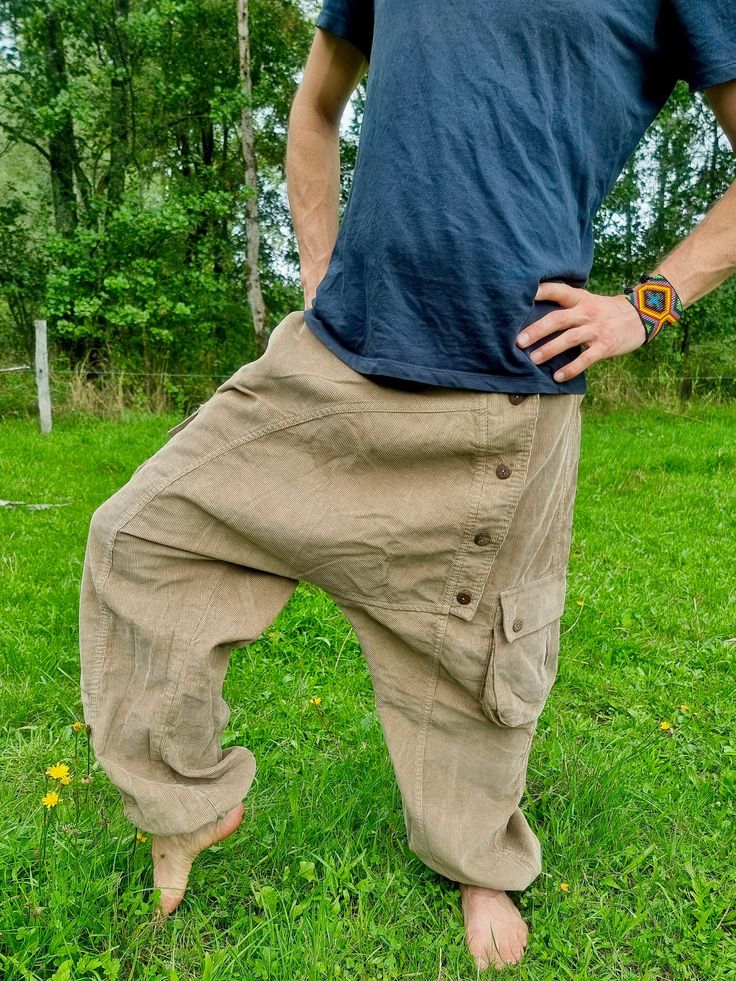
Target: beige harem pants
<point>438,520</point>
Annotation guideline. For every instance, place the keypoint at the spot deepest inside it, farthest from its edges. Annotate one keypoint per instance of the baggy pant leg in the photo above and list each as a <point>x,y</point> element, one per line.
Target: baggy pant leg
<point>156,629</point>
<point>461,776</point>
<point>459,697</point>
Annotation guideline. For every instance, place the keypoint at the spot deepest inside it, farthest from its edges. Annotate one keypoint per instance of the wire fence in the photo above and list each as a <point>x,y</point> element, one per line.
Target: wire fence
<point>17,369</point>
<point>122,373</point>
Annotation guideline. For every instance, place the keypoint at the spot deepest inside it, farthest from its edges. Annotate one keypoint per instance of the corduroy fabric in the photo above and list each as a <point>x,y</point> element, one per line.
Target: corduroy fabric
<point>438,519</point>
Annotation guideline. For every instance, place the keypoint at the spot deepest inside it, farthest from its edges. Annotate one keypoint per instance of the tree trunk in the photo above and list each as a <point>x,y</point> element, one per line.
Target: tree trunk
<point>62,145</point>
<point>253,281</point>
<point>119,128</point>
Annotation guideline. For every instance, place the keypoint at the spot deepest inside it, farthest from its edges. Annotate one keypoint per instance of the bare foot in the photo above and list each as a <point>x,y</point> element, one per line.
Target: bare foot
<point>173,856</point>
<point>494,930</point>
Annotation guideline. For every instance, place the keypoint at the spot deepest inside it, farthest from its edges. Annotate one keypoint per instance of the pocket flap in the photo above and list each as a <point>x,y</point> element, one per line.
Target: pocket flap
<point>533,604</point>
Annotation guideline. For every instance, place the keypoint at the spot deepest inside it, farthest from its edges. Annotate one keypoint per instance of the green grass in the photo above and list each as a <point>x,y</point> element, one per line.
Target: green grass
<point>318,882</point>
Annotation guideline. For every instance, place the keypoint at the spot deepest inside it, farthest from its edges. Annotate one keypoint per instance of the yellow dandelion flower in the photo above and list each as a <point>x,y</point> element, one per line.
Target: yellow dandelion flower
<point>565,886</point>
<point>580,602</point>
<point>684,708</point>
<point>315,701</point>
<point>141,837</point>
<point>65,780</point>
<point>78,725</point>
<point>665,725</point>
<point>57,771</point>
<point>51,799</point>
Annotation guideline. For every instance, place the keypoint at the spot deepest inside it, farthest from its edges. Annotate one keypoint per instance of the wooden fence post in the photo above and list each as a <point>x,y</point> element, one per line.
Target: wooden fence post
<point>42,376</point>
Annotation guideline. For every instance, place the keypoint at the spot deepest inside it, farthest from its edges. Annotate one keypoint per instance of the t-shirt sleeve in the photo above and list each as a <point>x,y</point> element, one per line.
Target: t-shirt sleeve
<point>706,32</point>
<point>349,19</point>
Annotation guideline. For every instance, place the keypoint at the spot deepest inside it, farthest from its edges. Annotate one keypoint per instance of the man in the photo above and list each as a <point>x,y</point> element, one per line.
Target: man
<point>409,441</point>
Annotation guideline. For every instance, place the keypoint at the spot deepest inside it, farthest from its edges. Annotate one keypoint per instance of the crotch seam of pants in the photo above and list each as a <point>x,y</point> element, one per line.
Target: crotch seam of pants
<point>351,408</point>
<point>185,662</point>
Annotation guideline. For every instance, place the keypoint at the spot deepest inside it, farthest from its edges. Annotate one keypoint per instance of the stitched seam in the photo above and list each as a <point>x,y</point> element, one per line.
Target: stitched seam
<point>357,598</point>
<point>478,481</point>
<point>422,738</point>
<point>528,453</point>
<point>100,579</point>
<point>353,408</point>
<point>513,507</point>
<point>98,660</point>
<point>491,647</point>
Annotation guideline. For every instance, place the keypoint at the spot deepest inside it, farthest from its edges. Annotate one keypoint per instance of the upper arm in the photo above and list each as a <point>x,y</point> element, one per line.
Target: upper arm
<point>332,71</point>
<point>722,99</point>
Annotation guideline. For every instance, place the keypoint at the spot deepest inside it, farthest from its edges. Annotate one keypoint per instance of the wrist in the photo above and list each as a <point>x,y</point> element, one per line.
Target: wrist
<point>310,278</point>
<point>657,303</point>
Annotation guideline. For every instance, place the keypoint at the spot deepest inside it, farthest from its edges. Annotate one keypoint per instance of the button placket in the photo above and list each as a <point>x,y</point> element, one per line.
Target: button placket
<point>500,489</point>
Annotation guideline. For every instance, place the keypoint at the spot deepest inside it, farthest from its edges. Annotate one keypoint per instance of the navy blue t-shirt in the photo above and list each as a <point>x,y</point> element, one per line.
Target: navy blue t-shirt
<point>492,132</point>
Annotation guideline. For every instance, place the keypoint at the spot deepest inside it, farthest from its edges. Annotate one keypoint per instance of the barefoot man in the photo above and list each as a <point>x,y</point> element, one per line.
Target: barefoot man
<point>409,440</point>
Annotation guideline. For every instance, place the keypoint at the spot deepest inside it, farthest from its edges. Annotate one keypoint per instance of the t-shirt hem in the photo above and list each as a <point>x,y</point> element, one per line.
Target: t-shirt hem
<point>337,25</point>
<point>713,76</point>
<point>469,380</point>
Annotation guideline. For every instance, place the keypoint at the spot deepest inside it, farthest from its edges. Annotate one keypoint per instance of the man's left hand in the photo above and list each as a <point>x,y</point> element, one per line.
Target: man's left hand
<point>606,326</point>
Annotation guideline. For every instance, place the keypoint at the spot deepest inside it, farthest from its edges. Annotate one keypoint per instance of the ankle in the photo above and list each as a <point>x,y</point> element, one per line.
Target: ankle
<point>473,890</point>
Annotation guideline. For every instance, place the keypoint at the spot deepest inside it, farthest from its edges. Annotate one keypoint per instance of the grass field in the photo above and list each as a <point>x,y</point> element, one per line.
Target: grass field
<point>636,818</point>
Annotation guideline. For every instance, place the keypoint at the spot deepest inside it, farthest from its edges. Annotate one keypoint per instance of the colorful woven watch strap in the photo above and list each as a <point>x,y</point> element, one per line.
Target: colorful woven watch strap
<point>657,303</point>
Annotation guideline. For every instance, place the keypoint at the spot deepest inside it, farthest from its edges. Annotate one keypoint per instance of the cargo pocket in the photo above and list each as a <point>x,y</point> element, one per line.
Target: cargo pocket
<point>524,650</point>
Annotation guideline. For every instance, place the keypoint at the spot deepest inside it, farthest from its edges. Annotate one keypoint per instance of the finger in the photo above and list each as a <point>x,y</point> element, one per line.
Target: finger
<point>561,293</point>
<point>569,338</point>
<point>557,320</point>
<point>578,366</point>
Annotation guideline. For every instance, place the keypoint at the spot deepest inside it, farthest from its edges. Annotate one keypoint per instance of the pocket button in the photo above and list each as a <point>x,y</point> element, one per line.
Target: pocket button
<point>517,625</point>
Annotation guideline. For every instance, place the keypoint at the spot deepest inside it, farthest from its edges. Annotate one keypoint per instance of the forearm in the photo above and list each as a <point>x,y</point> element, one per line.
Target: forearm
<point>313,189</point>
<point>707,257</point>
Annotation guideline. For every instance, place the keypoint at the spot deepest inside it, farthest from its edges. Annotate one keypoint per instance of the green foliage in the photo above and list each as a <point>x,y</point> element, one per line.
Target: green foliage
<point>129,231</point>
<point>134,108</point>
<point>139,293</point>
<point>22,271</point>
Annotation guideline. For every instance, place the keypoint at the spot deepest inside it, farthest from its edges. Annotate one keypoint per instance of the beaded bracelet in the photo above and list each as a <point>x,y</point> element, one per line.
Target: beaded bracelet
<point>656,301</point>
